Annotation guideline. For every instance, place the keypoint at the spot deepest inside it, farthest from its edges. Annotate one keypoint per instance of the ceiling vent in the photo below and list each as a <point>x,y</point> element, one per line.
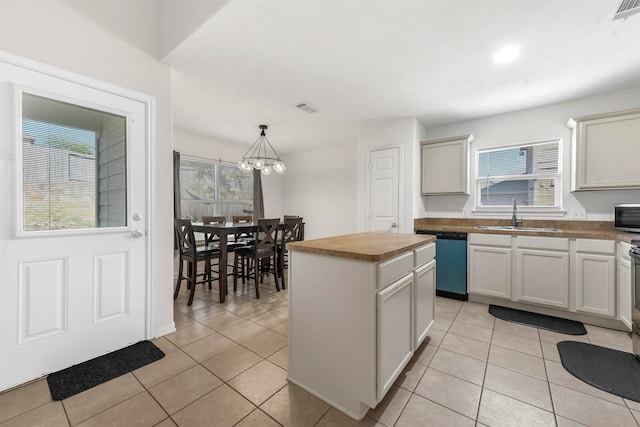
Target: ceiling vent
<point>627,8</point>
<point>305,106</point>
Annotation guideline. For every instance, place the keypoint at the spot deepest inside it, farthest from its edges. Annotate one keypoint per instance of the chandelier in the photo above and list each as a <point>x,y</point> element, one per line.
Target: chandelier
<point>262,156</point>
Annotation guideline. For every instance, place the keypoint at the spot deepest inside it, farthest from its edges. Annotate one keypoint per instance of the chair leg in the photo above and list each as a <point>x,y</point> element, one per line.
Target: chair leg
<point>208,272</point>
<point>256,274</point>
<point>235,273</point>
<point>179,281</point>
<point>276,273</point>
<point>194,275</point>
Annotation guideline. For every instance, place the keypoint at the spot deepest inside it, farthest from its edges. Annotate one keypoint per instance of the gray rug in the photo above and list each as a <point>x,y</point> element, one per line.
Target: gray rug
<point>81,377</point>
<point>542,321</point>
<point>613,371</point>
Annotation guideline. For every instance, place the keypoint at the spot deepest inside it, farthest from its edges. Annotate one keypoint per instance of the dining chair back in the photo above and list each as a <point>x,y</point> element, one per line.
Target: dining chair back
<point>245,238</point>
<point>191,253</point>
<point>262,255</point>
<point>291,231</point>
<point>210,239</point>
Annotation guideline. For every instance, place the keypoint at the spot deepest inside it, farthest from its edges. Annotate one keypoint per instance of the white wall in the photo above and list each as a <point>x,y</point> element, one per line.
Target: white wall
<point>200,146</point>
<point>66,35</point>
<point>320,185</point>
<point>534,125</point>
<point>403,133</point>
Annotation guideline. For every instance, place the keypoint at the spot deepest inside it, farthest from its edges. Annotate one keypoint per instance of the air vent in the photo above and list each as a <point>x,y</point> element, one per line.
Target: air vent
<point>305,106</point>
<point>627,8</point>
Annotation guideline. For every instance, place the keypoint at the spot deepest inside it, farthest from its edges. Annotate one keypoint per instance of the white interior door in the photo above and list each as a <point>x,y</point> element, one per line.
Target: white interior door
<point>384,190</point>
<point>73,245</point>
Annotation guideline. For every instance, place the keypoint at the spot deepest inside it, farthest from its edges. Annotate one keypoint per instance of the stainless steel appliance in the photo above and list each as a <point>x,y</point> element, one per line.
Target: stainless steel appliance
<point>627,217</point>
<point>635,287</point>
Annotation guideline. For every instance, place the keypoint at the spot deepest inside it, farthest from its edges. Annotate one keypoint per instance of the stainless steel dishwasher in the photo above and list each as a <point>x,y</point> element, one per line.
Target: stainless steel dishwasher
<point>451,263</point>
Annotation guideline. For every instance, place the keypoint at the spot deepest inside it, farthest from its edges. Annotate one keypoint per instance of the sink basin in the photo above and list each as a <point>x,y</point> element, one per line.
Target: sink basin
<point>512,228</point>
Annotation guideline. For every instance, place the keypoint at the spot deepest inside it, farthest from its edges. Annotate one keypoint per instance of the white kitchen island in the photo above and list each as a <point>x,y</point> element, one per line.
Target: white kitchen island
<point>359,306</point>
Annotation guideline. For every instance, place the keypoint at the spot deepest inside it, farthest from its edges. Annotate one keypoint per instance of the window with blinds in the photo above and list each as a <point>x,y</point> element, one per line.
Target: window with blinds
<point>527,173</point>
<point>73,166</point>
<point>214,188</point>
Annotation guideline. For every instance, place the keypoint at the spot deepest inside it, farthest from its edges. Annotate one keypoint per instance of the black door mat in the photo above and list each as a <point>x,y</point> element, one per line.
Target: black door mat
<point>542,321</point>
<point>613,371</point>
<point>81,377</point>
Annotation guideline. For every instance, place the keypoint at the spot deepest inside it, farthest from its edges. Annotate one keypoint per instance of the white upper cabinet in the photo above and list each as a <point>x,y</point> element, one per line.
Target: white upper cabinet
<point>445,165</point>
<point>605,151</point>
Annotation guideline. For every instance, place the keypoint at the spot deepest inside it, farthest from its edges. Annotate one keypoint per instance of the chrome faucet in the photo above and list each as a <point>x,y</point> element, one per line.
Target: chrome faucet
<point>514,215</point>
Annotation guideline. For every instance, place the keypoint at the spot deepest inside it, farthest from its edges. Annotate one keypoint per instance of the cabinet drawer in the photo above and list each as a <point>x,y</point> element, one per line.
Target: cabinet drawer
<point>550,243</point>
<point>490,239</point>
<point>424,254</point>
<point>393,269</point>
<point>596,245</point>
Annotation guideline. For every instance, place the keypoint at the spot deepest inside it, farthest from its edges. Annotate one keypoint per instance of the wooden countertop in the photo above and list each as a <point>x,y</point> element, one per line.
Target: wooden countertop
<point>571,229</point>
<point>371,246</point>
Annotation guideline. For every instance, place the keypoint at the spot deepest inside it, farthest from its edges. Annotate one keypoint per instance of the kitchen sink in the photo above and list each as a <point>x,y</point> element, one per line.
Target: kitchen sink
<point>512,228</point>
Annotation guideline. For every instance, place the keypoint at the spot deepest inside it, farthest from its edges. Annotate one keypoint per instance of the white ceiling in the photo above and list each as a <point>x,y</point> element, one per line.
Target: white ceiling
<point>360,62</point>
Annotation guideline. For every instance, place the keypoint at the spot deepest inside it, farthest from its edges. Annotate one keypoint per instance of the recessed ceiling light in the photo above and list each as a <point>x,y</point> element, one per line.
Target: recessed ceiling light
<point>506,54</point>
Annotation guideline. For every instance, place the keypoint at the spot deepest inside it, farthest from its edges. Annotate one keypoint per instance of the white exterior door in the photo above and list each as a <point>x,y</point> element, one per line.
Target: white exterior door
<point>73,220</point>
<point>384,190</point>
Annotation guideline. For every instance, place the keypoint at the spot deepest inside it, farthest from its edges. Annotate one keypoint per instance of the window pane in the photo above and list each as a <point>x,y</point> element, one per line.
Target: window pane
<point>528,159</point>
<point>531,192</point>
<point>73,166</point>
<point>214,189</point>
<point>235,184</point>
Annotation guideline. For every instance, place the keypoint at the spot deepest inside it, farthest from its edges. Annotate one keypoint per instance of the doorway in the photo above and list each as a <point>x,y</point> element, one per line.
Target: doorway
<point>384,190</point>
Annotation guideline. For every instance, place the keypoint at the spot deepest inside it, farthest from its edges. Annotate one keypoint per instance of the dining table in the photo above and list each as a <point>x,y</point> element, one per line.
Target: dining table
<point>222,231</point>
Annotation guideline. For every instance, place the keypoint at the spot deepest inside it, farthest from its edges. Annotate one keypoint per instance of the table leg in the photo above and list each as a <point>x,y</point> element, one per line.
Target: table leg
<point>222,280</point>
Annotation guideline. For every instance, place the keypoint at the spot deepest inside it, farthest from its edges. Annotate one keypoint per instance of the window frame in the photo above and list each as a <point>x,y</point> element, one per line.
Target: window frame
<point>557,178</point>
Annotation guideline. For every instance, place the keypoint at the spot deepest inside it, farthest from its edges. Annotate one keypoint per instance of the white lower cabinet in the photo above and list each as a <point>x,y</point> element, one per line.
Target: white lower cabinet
<point>579,275</point>
<point>490,265</point>
<point>596,277</point>
<point>394,332</point>
<point>624,284</point>
<point>542,271</point>
<point>354,325</point>
<point>424,282</point>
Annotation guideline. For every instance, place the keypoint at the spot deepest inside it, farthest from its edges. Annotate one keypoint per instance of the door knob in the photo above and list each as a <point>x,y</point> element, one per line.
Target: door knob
<point>136,234</point>
<point>394,225</point>
<point>137,216</point>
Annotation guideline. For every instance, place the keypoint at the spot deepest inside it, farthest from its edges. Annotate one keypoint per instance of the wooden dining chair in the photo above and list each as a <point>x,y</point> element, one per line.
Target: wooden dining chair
<point>192,254</point>
<point>261,258</point>
<point>291,231</point>
<point>211,239</point>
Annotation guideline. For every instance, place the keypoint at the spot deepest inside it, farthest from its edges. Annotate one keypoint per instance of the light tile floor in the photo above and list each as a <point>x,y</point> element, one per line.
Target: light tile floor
<point>226,365</point>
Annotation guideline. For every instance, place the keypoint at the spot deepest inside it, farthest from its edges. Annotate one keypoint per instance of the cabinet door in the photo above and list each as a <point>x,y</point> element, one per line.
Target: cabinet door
<point>394,332</point>
<point>606,151</point>
<point>624,291</point>
<point>490,271</point>
<point>445,166</point>
<point>424,301</point>
<point>595,284</point>
<point>542,277</point>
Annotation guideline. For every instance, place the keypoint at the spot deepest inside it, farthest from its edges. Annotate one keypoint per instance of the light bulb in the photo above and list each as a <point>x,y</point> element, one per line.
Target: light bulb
<point>279,167</point>
<point>266,170</point>
<point>243,165</point>
<point>258,164</point>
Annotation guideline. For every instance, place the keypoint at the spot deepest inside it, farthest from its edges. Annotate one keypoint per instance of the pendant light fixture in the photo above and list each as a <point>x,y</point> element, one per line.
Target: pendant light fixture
<point>262,156</point>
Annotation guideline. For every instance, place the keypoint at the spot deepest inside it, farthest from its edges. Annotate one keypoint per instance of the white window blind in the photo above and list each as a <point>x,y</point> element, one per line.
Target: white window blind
<point>73,166</point>
<point>527,173</point>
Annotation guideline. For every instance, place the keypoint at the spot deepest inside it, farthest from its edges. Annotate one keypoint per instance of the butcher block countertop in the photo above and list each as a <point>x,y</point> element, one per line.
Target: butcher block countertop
<point>371,246</point>
<point>570,229</point>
